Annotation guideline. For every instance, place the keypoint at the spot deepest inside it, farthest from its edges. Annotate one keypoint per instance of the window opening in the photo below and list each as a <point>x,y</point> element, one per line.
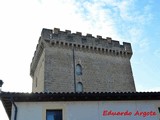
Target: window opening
<point>78,69</point>
<point>79,87</point>
<point>54,115</point>
<point>159,109</point>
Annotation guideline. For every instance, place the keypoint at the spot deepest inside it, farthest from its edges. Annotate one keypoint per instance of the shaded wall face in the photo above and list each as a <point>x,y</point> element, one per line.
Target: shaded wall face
<point>90,110</point>
<point>100,72</point>
<point>38,79</point>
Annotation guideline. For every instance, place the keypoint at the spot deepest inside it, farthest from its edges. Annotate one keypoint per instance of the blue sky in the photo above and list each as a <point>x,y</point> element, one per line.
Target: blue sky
<point>134,21</point>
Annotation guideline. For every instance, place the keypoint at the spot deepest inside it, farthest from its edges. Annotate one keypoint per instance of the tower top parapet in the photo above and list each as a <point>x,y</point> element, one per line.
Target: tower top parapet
<point>88,41</point>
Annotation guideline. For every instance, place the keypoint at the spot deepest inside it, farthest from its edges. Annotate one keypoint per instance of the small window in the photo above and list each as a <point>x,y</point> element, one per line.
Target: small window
<point>54,115</point>
<point>159,109</point>
<point>78,69</point>
<point>79,87</point>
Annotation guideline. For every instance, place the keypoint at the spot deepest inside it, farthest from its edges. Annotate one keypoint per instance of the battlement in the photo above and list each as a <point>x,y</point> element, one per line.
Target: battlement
<point>56,36</point>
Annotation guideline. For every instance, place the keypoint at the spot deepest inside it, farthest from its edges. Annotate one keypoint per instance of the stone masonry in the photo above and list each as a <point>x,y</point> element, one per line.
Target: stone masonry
<point>104,63</point>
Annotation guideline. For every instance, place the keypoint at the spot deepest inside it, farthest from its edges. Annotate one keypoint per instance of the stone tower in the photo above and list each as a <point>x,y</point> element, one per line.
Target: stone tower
<point>70,62</point>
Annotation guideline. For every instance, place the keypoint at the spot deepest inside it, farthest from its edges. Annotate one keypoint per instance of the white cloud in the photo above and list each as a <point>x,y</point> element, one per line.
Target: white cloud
<point>125,8</point>
<point>129,12</point>
<point>98,19</point>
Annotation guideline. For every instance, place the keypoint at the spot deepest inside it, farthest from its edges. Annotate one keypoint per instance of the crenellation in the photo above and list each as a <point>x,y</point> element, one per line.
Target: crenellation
<point>89,35</point>
<point>115,43</point>
<point>92,48</point>
<point>56,30</point>
<point>79,33</point>
<point>68,32</point>
<point>99,37</point>
<point>88,42</point>
<point>45,34</point>
<point>127,47</point>
<point>109,40</point>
